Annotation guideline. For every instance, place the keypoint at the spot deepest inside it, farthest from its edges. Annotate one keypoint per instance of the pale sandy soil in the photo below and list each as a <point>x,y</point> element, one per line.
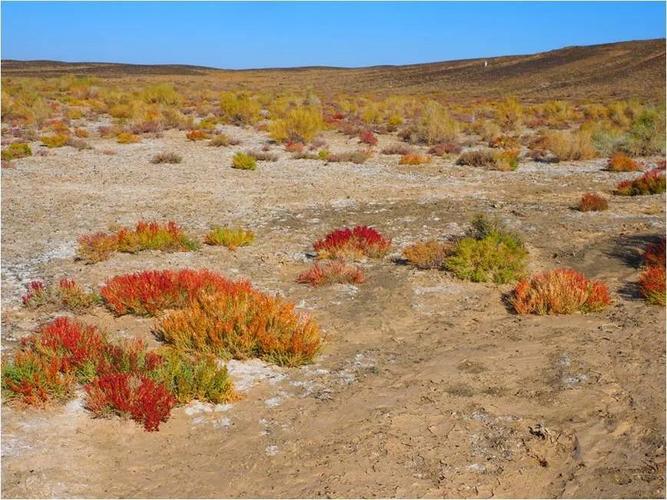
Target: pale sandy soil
<point>426,386</point>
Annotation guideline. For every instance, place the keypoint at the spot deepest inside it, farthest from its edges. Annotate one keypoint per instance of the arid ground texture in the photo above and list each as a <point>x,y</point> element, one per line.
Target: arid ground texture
<point>422,281</point>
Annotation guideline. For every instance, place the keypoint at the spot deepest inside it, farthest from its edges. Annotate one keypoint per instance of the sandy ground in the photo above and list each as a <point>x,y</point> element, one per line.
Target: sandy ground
<point>426,386</point>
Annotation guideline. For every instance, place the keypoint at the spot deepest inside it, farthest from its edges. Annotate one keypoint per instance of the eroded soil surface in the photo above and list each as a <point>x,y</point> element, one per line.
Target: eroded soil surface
<point>426,386</point>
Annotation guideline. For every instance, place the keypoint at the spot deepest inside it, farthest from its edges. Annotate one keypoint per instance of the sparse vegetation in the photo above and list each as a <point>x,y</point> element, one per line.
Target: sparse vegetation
<point>414,159</point>
<point>67,294</point>
<point>170,237</point>
<point>327,273</point>
<point>166,158</point>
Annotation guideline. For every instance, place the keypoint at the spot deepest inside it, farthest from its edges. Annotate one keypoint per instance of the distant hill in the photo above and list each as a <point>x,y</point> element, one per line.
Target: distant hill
<point>622,70</point>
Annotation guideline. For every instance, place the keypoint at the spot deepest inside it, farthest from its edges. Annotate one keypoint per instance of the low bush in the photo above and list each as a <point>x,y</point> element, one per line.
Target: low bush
<point>358,157</point>
<point>189,377</point>
<point>67,294</point>
<point>654,255</point>
<point>427,254</point>
<point>222,140</point>
<point>560,291</point>
<point>242,325</point>
<point>444,148</point>
<point>367,137</point>
<point>433,126</point>
<point>328,273</point>
<point>652,285</point>
<point>54,141</point>
<point>567,145</point>
<point>239,108</point>
<point>414,159</point>
<point>150,292</point>
<point>294,147</point>
<point>652,182</point>
<point>169,237</point>
<point>592,202</point>
<point>244,161</point>
<point>166,158</point>
<point>122,379</point>
<point>81,133</point>
<point>652,279</point>
<point>397,149</point>
<point>231,237</point>
<point>488,253</point>
<point>196,135</point>
<point>16,150</point>
<point>127,138</point>
<point>128,395</point>
<point>620,162</point>
<point>357,242</point>
<point>494,160</point>
<point>300,125</point>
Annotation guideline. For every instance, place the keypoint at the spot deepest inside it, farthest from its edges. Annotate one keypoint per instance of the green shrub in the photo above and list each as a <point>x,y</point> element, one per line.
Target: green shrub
<point>647,134</point>
<point>190,377</point>
<point>16,150</point>
<point>244,161</point>
<point>488,254</point>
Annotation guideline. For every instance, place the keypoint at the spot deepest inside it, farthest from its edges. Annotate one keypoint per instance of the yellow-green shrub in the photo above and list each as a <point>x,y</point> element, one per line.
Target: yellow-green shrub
<point>300,125</point>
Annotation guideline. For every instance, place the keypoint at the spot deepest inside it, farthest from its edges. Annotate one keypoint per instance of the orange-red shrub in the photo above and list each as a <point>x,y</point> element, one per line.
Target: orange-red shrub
<point>331,272</point>
<point>242,325</point>
<point>367,137</point>
<point>560,291</point>
<point>414,159</point>
<point>128,395</point>
<point>357,242</point>
<point>652,182</point>
<point>654,255</point>
<point>592,202</point>
<point>427,254</point>
<point>294,147</point>
<point>620,162</point>
<point>149,292</point>
<point>652,285</point>
<point>196,135</point>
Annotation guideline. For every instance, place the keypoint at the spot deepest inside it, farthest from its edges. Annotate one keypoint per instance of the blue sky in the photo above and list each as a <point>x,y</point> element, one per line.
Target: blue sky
<point>255,35</point>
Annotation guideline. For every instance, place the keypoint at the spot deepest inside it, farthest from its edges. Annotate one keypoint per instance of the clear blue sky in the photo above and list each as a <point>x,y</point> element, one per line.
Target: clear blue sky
<point>254,35</point>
